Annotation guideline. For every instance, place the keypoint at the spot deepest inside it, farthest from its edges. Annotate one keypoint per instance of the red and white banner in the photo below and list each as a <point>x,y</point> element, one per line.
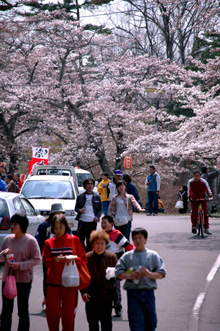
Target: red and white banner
<point>40,155</point>
<point>128,162</point>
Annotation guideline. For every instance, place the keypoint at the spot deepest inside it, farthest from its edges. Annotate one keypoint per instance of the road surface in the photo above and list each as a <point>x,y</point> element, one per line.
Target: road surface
<point>187,298</point>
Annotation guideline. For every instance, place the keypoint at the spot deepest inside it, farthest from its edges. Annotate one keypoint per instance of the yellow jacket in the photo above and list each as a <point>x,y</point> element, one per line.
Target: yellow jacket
<point>103,190</point>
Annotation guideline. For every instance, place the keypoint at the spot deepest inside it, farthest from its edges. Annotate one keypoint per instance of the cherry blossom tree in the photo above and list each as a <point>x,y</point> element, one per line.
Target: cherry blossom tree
<point>164,28</point>
<point>61,81</point>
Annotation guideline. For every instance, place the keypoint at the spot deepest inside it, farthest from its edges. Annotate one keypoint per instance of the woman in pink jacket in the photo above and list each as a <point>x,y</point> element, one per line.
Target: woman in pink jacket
<point>26,253</point>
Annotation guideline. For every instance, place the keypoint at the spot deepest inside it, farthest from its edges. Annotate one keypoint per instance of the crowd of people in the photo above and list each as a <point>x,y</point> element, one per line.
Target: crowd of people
<point>10,183</point>
<point>99,250</point>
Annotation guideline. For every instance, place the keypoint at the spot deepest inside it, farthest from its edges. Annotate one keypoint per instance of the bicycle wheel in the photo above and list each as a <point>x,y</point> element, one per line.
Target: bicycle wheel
<point>198,226</point>
<point>201,223</point>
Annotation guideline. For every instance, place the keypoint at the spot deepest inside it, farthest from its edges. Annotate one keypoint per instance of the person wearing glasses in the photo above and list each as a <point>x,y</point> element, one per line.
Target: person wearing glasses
<point>89,210</point>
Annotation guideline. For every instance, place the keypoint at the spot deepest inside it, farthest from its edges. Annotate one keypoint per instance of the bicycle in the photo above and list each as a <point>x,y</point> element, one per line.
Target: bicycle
<point>200,223</point>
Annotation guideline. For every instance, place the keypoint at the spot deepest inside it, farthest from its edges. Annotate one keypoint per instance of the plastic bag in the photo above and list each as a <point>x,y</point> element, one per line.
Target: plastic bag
<point>110,273</point>
<point>10,289</point>
<point>179,204</point>
<point>70,275</point>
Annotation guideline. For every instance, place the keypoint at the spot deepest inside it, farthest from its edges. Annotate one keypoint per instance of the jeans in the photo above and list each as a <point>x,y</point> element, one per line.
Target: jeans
<point>23,290</point>
<point>105,206</point>
<point>152,202</point>
<point>209,206</point>
<point>141,310</point>
<point>125,229</point>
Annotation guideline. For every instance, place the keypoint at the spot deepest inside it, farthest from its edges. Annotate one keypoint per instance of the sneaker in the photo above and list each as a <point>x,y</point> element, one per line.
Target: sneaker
<point>44,304</point>
<point>207,231</point>
<point>149,214</point>
<point>118,310</point>
<point>194,231</point>
<point>154,214</point>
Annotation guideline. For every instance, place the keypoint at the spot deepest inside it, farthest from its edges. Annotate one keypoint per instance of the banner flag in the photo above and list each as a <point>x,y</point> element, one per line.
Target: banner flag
<point>40,153</point>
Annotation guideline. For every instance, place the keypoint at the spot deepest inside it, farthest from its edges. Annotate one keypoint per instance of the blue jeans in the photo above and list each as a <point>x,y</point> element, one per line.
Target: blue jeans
<point>141,310</point>
<point>152,202</point>
<point>23,290</point>
<point>125,229</point>
<point>105,206</point>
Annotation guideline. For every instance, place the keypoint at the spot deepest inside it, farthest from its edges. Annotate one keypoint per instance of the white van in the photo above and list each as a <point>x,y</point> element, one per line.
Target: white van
<point>82,174</point>
<point>44,190</point>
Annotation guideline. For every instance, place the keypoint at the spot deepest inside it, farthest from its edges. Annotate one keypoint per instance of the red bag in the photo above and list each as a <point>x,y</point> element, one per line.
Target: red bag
<point>85,278</point>
<point>10,289</point>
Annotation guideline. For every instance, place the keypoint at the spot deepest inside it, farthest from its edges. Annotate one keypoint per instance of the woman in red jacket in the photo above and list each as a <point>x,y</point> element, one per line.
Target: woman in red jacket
<point>61,301</point>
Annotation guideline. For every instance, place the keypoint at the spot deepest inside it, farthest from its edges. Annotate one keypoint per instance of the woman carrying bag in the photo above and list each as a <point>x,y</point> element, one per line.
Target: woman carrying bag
<point>183,197</point>
<point>121,209</point>
<point>21,253</point>
<point>58,251</point>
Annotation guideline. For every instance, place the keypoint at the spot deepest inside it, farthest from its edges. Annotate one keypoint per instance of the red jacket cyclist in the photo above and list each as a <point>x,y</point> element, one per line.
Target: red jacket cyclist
<point>198,188</point>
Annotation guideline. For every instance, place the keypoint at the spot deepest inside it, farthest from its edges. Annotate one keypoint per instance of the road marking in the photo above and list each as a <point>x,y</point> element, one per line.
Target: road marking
<point>214,269</point>
<point>194,320</point>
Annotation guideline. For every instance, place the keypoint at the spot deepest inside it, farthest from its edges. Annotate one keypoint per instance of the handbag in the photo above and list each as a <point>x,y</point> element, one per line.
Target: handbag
<point>179,204</point>
<point>70,275</point>
<point>10,288</point>
<point>121,221</point>
<point>84,275</point>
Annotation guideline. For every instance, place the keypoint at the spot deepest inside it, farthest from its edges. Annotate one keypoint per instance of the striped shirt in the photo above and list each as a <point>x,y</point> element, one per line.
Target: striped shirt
<point>56,246</point>
<point>118,242</point>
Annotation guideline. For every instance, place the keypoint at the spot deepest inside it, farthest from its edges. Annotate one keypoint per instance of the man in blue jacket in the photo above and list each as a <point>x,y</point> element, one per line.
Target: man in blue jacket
<point>153,188</point>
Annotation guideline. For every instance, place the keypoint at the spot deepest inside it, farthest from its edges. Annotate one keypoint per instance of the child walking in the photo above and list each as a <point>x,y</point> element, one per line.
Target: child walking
<point>118,244</point>
<point>141,267</point>
<point>99,295</point>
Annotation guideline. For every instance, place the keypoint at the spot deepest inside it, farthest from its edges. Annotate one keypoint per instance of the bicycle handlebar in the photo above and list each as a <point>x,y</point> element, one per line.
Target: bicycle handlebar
<point>197,200</point>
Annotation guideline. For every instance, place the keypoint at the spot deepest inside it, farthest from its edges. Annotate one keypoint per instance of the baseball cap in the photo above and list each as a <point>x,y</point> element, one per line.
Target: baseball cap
<point>118,172</point>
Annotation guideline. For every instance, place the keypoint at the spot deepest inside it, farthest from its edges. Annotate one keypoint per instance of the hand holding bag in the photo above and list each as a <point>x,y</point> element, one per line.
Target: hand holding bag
<point>70,275</point>
<point>84,275</point>
<point>10,288</point>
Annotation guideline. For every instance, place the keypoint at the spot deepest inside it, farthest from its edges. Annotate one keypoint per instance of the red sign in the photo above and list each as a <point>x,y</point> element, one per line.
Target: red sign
<point>32,162</point>
<point>128,162</point>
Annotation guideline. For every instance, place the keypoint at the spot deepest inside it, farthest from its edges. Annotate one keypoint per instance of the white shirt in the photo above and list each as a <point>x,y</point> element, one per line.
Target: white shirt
<point>121,210</point>
<point>88,215</point>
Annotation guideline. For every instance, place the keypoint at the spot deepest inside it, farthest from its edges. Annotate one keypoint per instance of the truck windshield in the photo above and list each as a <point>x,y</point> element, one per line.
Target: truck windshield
<point>48,190</point>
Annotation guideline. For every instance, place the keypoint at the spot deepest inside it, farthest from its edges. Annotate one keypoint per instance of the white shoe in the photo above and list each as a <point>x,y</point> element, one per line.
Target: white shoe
<point>194,231</point>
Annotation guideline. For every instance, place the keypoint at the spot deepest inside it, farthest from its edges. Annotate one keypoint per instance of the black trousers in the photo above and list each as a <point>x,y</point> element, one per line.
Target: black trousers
<point>84,231</point>
<point>99,312</point>
<point>23,290</point>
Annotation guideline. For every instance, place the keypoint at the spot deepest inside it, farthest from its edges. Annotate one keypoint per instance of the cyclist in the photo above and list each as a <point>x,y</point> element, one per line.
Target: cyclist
<point>198,188</point>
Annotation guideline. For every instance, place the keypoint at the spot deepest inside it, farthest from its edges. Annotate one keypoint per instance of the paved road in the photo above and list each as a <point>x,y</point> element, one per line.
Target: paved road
<point>187,298</point>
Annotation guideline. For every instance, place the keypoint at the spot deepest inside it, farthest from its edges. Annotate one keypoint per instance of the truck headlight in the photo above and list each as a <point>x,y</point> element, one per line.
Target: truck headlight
<point>70,213</point>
